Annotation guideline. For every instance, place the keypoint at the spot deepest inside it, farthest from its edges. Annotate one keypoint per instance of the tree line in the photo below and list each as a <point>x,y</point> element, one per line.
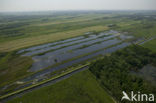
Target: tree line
<point>115,72</point>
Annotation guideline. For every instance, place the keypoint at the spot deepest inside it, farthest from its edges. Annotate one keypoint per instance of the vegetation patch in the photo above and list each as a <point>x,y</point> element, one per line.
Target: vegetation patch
<point>151,45</point>
<point>12,68</point>
<point>114,71</point>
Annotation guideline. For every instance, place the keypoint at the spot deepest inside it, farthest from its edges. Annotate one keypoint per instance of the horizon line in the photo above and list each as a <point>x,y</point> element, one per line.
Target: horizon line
<point>79,10</point>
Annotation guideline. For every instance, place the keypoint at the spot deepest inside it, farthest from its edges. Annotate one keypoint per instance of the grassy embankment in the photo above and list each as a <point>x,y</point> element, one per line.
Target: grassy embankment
<point>79,88</point>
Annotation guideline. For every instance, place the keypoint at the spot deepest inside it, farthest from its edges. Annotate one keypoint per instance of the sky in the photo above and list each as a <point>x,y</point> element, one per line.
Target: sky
<point>43,5</point>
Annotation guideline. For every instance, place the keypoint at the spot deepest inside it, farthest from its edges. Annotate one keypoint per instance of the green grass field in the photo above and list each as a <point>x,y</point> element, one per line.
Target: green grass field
<point>151,45</point>
<point>79,88</point>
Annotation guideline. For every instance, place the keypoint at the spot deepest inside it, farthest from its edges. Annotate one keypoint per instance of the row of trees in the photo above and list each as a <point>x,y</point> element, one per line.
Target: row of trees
<point>115,72</point>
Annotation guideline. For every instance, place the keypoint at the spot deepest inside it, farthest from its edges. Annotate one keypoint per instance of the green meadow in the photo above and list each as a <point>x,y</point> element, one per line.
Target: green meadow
<point>151,45</point>
<point>79,88</point>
